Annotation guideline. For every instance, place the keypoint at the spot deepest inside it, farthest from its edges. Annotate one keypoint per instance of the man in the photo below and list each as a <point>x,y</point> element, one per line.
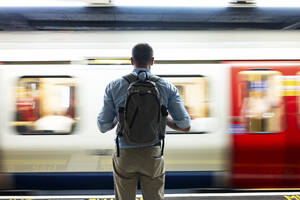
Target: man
<point>140,161</point>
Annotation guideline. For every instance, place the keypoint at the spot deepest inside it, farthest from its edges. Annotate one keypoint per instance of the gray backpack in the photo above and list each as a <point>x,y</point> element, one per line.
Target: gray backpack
<point>143,119</point>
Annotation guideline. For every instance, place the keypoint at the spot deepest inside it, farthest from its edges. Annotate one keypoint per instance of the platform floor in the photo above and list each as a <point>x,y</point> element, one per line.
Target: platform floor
<point>261,195</point>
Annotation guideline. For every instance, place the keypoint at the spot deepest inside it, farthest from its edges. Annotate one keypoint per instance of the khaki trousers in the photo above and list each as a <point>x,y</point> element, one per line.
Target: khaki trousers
<point>144,162</point>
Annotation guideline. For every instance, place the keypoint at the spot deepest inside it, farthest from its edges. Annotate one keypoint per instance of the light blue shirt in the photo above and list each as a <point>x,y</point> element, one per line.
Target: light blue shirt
<point>115,96</point>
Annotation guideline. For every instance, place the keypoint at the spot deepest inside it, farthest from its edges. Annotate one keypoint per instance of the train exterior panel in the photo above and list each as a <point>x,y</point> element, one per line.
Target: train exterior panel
<point>239,87</point>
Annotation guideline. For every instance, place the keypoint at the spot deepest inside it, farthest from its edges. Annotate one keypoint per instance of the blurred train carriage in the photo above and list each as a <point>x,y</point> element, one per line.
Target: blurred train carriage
<point>245,115</point>
<point>265,98</point>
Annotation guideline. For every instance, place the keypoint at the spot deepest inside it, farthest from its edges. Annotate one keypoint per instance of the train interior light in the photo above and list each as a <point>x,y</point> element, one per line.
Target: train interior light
<point>117,61</point>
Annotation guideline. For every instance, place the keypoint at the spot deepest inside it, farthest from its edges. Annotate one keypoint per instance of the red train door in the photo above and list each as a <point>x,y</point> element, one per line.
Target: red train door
<point>265,124</point>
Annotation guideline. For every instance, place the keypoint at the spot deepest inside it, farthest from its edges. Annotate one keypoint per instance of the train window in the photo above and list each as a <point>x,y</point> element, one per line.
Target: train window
<point>260,101</point>
<point>193,92</point>
<point>45,105</point>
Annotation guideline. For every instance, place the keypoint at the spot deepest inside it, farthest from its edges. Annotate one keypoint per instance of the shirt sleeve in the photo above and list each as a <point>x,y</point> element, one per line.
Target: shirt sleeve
<point>107,114</point>
<point>177,110</point>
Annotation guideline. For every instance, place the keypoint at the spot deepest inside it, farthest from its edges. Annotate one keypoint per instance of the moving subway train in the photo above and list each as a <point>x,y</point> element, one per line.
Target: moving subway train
<point>240,88</point>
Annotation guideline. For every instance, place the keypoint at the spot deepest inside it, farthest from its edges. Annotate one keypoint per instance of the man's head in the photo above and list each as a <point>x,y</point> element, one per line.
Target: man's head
<point>142,56</point>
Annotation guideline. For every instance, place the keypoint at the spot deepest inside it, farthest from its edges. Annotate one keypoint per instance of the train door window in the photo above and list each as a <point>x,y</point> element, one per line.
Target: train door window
<point>45,105</point>
<point>260,101</point>
<point>193,92</point>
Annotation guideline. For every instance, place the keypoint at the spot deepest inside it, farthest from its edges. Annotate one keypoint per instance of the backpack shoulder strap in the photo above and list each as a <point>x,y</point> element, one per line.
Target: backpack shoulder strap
<point>130,78</point>
<point>154,78</point>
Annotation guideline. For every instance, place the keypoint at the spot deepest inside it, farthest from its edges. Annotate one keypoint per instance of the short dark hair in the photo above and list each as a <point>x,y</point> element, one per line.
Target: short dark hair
<point>142,54</point>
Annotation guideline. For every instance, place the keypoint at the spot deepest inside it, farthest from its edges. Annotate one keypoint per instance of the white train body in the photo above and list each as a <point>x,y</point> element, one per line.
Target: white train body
<point>86,149</point>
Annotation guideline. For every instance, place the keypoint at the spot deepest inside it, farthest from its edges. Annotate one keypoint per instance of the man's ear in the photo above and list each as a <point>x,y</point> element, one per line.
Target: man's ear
<point>152,61</point>
<point>132,61</point>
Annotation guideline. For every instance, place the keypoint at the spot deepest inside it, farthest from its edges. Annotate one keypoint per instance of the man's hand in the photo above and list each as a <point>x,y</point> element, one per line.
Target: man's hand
<point>172,125</point>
